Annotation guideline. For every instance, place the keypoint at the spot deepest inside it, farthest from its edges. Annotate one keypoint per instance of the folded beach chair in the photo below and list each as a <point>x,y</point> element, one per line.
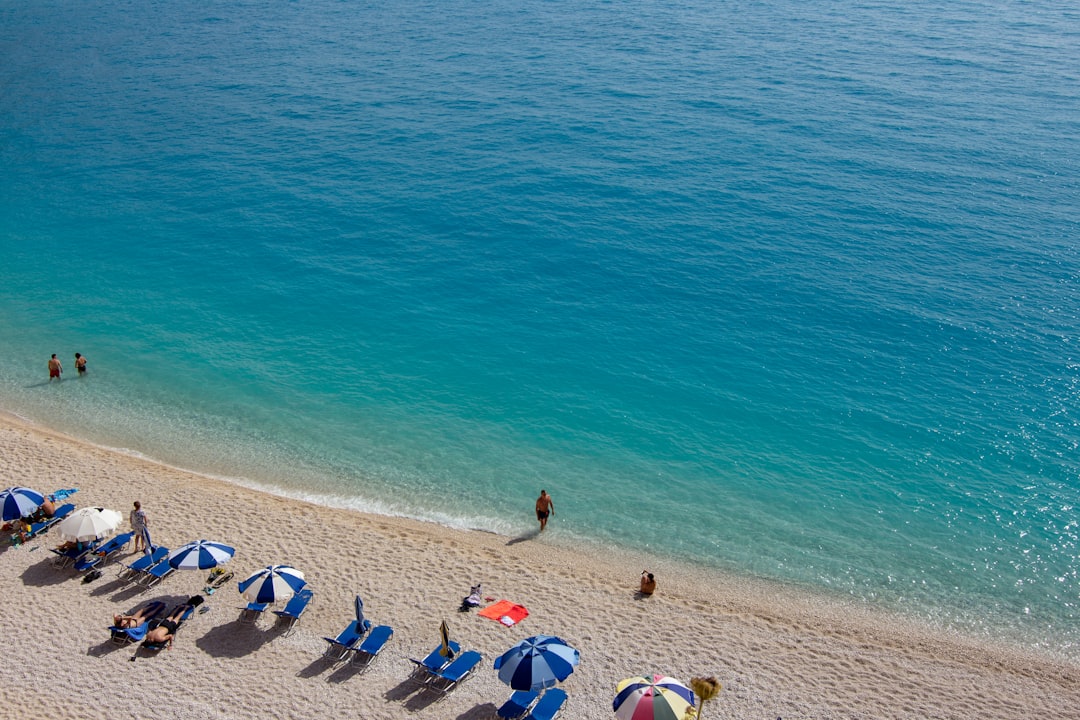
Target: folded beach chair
<point>250,613</point>
<point>296,606</point>
<point>455,673</point>
<point>373,644</point>
<point>517,705</point>
<point>341,647</point>
<point>549,705</point>
<point>134,570</point>
<point>426,669</point>
<point>151,611</point>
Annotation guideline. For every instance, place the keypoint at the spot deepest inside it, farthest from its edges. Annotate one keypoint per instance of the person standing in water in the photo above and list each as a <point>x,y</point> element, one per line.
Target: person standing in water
<point>544,508</point>
<point>80,364</point>
<point>55,368</point>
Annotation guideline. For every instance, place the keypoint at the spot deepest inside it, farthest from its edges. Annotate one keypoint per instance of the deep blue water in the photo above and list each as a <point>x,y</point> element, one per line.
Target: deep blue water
<point>784,288</point>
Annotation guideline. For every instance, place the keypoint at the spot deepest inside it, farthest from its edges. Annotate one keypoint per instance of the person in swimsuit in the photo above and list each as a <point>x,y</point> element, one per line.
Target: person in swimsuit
<point>55,368</point>
<point>648,583</point>
<point>167,628</point>
<point>544,508</point>
<point>80,364</point>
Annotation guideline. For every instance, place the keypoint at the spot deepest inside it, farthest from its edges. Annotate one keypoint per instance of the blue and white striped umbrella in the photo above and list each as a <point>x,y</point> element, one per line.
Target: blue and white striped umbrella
<point>200,555</point>
<point>18,502</point>
<point>536,663</point>
<point>272,583</point>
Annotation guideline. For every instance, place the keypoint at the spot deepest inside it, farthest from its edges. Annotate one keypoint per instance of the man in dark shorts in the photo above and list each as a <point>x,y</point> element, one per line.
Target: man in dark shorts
<point>544,507</point>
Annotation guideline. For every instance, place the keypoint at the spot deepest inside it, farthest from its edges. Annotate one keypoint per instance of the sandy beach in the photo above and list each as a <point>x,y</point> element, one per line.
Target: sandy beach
<point>777,654</point>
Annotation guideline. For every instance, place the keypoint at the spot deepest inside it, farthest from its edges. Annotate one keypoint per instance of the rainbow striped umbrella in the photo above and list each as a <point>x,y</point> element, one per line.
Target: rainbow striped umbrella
<point>652,697</point>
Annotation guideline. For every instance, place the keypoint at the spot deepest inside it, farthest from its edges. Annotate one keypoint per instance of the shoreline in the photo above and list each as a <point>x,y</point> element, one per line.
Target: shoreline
<point>778,652</point>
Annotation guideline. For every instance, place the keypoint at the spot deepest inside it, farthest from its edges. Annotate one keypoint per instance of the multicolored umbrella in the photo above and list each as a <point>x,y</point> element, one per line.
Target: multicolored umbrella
<point>18,502</point>
<point>652,697</point>
<point>272,583</point>
<point>89,523</point>
<point>537,663</point>
<point>200,555</point>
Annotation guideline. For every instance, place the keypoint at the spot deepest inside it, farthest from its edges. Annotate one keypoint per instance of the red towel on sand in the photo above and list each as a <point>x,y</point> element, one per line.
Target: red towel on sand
<point>506,612</point>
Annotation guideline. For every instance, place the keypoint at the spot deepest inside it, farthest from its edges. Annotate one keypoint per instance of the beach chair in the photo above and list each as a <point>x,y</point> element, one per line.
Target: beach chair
<point>188,611</point>
<point>341,647</point>
<point>41,527</point>
<point>104,552</point>
<point>455,673</point>
<point>425,669</point>
<point>549,705</point>
<point>293,609</point>
<point>136,569</point>
<point>517,705</point>
<point>250,613</point>
<point>158,572</point>
<point>123,636</point>
<point>372,645</point>
<point>71,555</point>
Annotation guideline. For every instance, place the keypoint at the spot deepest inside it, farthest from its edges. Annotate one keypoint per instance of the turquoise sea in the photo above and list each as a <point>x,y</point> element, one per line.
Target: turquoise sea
<point>787,289</point>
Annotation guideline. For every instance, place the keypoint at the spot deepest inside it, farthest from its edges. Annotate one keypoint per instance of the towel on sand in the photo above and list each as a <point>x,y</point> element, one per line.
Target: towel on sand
<point>505,612</point>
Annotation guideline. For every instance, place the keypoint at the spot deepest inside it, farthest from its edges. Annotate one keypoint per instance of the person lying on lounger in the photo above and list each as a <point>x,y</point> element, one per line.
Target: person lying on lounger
<point>129,621</point>
<point>166,629</point>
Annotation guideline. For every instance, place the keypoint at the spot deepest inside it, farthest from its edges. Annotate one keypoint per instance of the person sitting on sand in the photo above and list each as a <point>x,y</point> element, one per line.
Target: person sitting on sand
<point>648,583</point>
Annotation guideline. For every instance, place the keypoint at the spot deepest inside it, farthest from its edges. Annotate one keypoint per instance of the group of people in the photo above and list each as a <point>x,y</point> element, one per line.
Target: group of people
<point>56,368</point>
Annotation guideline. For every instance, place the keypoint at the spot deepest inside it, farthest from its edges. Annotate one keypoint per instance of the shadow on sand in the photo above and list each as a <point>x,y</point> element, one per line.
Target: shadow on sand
<point>232,640</point>
<point>522,538</point>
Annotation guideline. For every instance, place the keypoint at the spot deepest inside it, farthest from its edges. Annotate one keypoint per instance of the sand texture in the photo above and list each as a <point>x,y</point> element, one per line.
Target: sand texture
<point>776,653</point>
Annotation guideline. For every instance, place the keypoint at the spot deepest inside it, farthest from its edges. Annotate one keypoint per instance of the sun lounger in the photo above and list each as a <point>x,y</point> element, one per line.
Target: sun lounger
<point>40,527</point>
<point>517,705</point>
<point>155,574</point>
<point>141,565</point>
<point>188,610</point>
<point>372,645</point>
<point>71,555</point>
<point>435,661</point>
<point>341,647</point>
<point>549,705</point>
<point>104,552</point>
<point>151,611</point>
<point>250,613</point>
<point>296,606</point>
<point>455,673</point>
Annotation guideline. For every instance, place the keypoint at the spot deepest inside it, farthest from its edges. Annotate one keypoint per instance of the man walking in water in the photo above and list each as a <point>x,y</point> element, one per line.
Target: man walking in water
<point>544,507</point>
<point>55,368</point>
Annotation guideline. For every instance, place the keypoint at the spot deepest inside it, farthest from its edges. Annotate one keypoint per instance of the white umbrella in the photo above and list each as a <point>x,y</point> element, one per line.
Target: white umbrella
<point>89,523</point>
<point>272,583</point>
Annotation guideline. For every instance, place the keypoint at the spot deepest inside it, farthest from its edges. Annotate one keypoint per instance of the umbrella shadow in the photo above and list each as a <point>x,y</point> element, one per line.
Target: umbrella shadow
<point>44,574</point>
<point>233,640</point>
<point>479,712</point>
<point>522,538</point>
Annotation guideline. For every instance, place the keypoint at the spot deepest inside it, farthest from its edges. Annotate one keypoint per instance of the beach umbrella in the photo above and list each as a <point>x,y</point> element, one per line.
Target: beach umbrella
<point>652,697</point>
<point>444,636</point>
<point>89,523</point>
<point>200,555</point>
<point>272,583</point>
<point>18,502</point>
<point>536,663</point>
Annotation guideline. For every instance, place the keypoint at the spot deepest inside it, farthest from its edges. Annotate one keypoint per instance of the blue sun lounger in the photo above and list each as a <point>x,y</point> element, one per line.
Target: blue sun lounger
<point>517,704</point>
<point>155,574</point>
<point>435,661</point>
<point>293,609</point>
<point>373,644</point>
<point>449,677</point>
<point>188,611</point>
<point>102,553</point>
<point>40,527</point>
<point>136,569</point>
<point>250,613</point>
<point>344,644</point>
<point>549,705</point>
<point>123,636</point>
